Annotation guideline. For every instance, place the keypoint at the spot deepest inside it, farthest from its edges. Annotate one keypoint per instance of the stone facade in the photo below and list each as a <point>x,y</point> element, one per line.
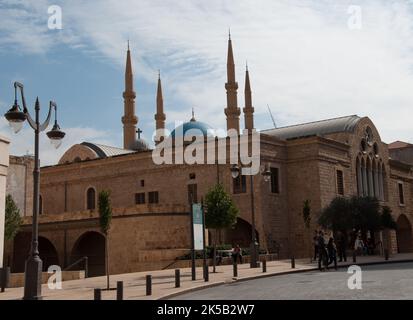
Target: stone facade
<point>20,183</point>
<point>316,161</point>
<point>4,163</point>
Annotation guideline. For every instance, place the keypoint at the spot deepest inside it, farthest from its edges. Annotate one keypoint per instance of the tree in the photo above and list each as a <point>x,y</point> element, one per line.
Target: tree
<point>221,212</point>
<point>337,216</point>
<point>358,213</point>
<point>365,213</point>
<point>387,221</point>
<point>13,219</point>
<point>105,218</point>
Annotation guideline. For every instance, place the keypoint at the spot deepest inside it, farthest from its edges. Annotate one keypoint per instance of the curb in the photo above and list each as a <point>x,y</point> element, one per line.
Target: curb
<point>268,275</point>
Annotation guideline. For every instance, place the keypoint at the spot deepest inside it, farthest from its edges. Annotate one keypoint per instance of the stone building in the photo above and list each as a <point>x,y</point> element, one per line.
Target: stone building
<point>20,183</point>
<point>315,161</point>
<point>4,163</point>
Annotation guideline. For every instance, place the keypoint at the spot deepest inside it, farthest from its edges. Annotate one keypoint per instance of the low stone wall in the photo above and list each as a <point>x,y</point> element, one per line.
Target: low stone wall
<point>17,279</point>
<point>178,264</point>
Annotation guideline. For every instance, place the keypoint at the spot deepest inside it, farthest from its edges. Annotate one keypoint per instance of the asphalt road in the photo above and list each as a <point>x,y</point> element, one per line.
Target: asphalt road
<point>391,281</point>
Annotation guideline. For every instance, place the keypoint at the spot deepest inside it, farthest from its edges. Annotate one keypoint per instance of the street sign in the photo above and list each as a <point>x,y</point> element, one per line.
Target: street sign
<point>198,226</point>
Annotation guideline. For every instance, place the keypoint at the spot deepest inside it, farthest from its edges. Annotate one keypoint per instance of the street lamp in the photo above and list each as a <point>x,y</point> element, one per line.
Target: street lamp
<point>16,117</point>
<point>266,173</point>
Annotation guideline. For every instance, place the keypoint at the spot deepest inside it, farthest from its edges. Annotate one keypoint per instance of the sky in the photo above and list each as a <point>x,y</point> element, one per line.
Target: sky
<point>308,60</point>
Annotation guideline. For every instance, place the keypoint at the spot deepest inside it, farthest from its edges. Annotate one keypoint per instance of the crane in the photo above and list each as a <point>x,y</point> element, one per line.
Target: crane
<point>272,118</point>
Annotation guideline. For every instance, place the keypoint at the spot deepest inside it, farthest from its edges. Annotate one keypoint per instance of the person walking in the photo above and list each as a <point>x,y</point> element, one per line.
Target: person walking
<point>359,245</point>
<point>237,254</point>
<point>332,252</point>
<point>322,253</point>
<point>341,246</point>
<point>315,244</point>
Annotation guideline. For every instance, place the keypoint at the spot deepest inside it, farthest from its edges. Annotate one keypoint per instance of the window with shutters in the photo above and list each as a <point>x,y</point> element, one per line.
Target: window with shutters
<point>340,182</point>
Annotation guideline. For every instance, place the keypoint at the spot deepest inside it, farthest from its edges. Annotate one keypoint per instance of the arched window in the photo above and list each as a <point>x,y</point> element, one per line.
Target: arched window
<point>91,199</point>
<point>40,205</point>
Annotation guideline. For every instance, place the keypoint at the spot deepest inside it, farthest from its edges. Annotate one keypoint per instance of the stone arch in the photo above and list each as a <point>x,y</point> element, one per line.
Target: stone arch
<point>384,184</point>
<point>22,244</point>
<point>240,234</point>
<point>369,168</point>
<point>91,244</point>
<point>404,235</point>
<point>91,198</point>
<point>359,177</point>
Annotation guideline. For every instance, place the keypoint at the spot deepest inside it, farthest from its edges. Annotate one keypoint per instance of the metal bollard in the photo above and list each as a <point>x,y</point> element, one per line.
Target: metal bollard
<point>98,294</point>
<point>264,266</point>
<point>386,255</point>
<point>119,290</point>
<point>292,263</point>
<point>235,267</point>
<point>206,273</point>
<point>177,278</point>
<point>4,278</point>
<point>86,267</point>
<point>148,285</point>
<point>354,256</point>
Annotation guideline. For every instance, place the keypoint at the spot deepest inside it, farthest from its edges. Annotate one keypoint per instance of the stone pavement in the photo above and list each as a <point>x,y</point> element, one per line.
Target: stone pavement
<point>164,281</point>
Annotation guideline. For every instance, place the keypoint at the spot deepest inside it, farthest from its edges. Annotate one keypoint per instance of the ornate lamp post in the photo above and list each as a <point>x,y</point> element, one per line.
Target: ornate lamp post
<point>266,173</point>
<point>16,117</point>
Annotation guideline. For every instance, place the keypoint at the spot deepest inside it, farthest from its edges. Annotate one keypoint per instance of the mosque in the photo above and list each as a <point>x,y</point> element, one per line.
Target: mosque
<point>315,161</point>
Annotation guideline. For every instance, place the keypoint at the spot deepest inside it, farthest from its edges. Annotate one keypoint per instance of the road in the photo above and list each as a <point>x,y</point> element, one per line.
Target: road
<point>391,281</point>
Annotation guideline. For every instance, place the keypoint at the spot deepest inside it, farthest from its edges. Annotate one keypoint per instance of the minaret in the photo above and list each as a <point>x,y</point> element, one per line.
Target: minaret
<point>129,119</point>
<point>160,115</point>
<point>232,111</point>
<point>249,109</point>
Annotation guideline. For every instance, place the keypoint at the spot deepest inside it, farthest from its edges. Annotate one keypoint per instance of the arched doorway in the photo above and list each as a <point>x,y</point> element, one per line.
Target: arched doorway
<point>404,235</point>
<point>91,245</point>
<point>48,253</point>
<point>240,234</point>
<point>22,244</point>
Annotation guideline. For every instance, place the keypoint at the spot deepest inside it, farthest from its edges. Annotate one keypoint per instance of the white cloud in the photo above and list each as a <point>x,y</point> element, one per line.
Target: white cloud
<point>23,142</point>
<point>304,60</point>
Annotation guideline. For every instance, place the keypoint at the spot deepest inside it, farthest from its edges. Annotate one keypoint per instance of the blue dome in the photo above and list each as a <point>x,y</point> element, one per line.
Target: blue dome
<point>193,124</point>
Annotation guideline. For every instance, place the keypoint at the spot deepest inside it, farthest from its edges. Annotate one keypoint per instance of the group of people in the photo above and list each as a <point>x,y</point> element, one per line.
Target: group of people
<point>364,247</point>
<point>327,251</point>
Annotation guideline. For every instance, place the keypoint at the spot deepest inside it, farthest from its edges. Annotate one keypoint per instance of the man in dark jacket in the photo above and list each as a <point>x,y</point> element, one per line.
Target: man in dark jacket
<point>341,246</point>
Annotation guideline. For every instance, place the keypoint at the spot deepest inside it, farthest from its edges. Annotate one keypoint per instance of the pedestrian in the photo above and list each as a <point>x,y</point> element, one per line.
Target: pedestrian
<point>341,246</point>
<point>322,252</point>
<point>332,252</point>
<point>237,254</point>
<point>359,245</point>
<point>315,244</point>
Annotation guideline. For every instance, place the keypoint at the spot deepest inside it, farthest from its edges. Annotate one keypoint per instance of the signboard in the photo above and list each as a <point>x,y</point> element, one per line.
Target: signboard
<point>198,226</point>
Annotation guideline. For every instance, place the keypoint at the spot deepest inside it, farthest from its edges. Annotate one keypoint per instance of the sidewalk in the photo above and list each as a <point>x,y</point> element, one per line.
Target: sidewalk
<point>164,281</point>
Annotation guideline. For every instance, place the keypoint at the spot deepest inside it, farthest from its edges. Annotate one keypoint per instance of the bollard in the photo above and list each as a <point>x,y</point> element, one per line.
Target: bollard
<point>264,266</point>
<point>335,263</point>
<point>386,255</point>
<point>86,267</point>
<point>206,273</point>
<point>235,267</point>
<point>4,278</point>
<point>119,290</point>
<point>354,256</point>
<point>177,278</point>
<point>292,263</point>
<point>148,285</point>
<point>98,294</point>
